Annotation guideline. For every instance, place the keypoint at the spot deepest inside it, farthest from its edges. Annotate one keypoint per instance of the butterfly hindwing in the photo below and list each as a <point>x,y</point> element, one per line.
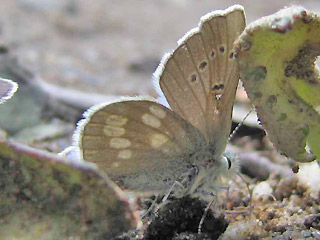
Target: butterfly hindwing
<point>138,142</point>
<point>200,77</point>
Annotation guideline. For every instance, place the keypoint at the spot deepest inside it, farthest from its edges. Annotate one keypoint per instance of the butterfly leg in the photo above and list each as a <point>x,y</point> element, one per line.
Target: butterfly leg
<point>204,192</point>
<point>176,183</point>
<point>165,198</point>
<point>204,215</point>
<point>150,208</point>
<point>183,184</point>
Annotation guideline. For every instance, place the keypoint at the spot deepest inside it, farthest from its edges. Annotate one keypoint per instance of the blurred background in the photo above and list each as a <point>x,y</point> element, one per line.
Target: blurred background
<point>103,48</point>
<point>108,46</point>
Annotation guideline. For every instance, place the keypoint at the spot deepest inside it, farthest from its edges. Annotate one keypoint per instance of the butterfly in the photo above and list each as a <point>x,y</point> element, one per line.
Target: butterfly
<point>145,146</point>
<point>7,89</point>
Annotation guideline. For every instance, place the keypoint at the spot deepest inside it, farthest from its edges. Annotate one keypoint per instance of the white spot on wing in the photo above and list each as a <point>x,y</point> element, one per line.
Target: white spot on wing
<point>157,140</point>
<point>218,96</point>
<point>113,131</point>
<point>119,143</point>
<point>125,154</point>
<point>157,111</point>
<point>115,164</point>
<point>116,120</point>
<point>151,120</point>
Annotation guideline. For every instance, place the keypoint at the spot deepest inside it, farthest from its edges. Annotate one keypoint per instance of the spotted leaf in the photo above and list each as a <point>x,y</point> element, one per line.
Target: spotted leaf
<point>276,57</point>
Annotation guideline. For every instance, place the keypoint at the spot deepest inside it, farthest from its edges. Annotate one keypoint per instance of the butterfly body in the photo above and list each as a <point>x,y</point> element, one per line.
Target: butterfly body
<point>145,146</point>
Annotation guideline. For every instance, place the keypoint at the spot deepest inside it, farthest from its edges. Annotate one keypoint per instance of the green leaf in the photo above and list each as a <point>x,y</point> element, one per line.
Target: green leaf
<point>44,196</point>
<point>276,57</point>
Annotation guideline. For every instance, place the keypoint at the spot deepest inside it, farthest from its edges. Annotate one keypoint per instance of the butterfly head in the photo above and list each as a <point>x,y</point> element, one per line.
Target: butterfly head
<point>212,173</point>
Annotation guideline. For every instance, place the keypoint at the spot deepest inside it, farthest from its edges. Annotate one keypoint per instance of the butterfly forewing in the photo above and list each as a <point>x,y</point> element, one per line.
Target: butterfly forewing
<point>139,142</point>
<point>219,33</point>
<point>7,89</point>
<point>199,78</point>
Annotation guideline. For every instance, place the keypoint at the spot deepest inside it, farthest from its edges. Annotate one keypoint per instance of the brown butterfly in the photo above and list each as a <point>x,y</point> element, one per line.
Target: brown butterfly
<point>145,146</point>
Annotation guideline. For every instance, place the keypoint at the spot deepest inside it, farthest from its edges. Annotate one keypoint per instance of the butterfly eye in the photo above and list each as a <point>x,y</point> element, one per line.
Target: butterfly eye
<point>229,162</point>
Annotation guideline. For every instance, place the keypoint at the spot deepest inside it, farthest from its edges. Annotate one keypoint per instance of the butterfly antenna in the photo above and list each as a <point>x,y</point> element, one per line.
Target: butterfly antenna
<point>239,125</point>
